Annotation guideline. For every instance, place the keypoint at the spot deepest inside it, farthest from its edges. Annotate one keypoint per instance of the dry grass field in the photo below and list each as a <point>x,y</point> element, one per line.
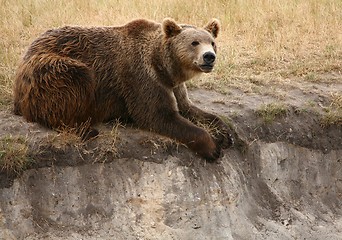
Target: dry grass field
<point>262,43</point>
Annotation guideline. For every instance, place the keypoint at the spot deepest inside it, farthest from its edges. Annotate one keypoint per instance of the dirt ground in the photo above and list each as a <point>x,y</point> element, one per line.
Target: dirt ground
<point>282,179</point>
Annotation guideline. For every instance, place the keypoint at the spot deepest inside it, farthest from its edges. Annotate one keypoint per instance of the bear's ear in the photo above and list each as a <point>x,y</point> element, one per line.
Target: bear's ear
<point>213,27</point>
<point>170,27</point>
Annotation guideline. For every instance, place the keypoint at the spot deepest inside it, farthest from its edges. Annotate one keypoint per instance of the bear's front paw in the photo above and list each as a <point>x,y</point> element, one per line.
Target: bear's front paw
<point>211,155</point>
<point>205,146</point>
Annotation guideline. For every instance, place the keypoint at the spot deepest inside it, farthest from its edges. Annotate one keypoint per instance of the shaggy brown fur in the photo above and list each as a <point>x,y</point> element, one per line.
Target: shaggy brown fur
<point>133,72</point>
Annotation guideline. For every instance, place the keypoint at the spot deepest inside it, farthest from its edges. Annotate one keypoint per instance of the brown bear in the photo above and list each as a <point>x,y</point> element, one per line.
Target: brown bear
<point>135,72</point>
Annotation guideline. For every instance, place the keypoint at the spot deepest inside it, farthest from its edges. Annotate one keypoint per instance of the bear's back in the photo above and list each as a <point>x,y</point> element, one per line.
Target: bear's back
<point>96,46</point>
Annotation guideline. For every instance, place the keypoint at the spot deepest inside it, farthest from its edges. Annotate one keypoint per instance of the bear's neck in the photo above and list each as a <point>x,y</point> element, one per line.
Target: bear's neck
<point>168,66</point>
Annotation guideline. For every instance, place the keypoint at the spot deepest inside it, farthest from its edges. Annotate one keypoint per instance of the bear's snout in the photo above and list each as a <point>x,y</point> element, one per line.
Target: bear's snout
<point>209,57</point>
<point>207,62</point>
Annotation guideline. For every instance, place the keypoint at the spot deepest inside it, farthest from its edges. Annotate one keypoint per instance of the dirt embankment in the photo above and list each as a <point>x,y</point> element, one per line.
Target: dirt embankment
<point>283,180</point>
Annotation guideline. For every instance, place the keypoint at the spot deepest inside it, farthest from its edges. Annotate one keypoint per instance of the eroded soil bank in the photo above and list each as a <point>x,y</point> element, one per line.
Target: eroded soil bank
<point>284,182</point>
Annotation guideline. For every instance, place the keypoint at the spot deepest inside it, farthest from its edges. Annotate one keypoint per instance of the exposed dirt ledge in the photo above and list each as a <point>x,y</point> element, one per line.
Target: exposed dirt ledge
<point>285,183</point>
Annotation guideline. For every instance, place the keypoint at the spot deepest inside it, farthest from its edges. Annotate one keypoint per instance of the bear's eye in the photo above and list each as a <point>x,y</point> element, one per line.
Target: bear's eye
<point>195,43</point>
<point>213,44</point>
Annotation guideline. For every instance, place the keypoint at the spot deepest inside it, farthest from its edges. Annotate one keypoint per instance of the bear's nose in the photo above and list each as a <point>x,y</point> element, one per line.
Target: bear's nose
<point>209,57</point>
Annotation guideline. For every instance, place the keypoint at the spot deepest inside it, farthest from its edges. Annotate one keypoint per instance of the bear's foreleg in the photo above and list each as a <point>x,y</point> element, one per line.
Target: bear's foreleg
<point>159,113</point>
<point>173,125</point>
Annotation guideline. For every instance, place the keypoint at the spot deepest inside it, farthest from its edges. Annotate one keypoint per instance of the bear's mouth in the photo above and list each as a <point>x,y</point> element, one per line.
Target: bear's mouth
<point>206,67</point>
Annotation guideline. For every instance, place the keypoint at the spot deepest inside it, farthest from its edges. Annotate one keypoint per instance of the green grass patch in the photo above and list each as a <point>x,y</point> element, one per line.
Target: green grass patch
<point>269,112</point>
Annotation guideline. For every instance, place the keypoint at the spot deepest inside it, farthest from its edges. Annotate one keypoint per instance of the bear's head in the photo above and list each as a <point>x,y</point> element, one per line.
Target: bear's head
<point>194,47</point>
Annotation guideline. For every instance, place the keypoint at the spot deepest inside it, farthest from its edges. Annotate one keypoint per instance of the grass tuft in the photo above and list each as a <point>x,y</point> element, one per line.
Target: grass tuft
<point>14,157</point>
<point>269,112</point>
<point>333,115</point>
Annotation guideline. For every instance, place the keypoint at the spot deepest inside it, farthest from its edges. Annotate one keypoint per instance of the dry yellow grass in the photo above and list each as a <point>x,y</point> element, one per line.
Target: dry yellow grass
<point>14,157</point>
<point>262,41</point>
<point>333,115</point>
